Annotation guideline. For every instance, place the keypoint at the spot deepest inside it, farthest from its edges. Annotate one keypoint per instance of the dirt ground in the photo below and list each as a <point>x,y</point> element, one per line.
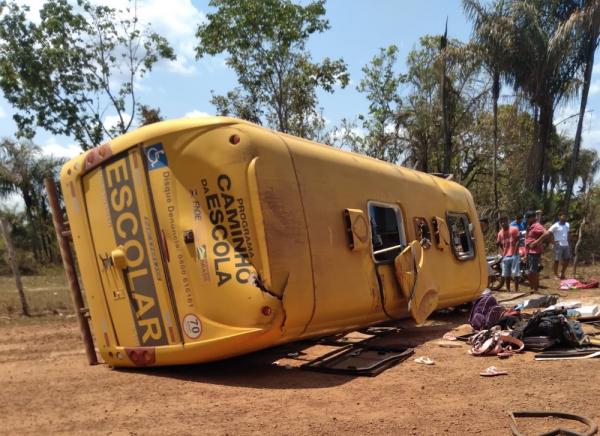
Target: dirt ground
<point>47,387</point>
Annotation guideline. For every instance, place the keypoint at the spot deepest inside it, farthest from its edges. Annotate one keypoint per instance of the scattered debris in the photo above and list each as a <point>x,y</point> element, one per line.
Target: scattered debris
<point>568,356</point>
<point>536,303</point>
<point>576,284</point>
<point>495,342</point>
<point>592,427</point>
<point>448,344</point>
<point>358,360</point>
<point>449,337</point>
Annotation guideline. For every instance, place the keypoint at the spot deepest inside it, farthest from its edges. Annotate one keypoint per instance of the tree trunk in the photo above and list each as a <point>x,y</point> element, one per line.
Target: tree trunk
<point>29,212</point>
<point>495,97</point>
<point>12,261</point>
<point>586,210</point>
<point>445,114</point>
<point>587,78</point>
<point>576,250</point>
<point>537,155</point>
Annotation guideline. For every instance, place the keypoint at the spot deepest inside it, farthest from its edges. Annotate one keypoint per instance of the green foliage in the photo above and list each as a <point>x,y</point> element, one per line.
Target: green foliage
<point>265,43</point>
<point>77,65</point>
<point>466,93</point>
<point>23,168</point>
<point>382,126</point>
<point>543,63</point>
<point>148,115</point>
<point>21,234</point>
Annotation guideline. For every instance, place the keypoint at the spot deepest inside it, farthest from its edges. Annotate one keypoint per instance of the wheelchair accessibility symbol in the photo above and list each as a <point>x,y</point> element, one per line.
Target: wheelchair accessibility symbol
<point>156,157</point>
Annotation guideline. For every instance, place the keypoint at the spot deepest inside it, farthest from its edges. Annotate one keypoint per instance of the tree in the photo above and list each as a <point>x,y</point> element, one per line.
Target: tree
<point>489,24</point>
<point>266,46</point>
<point>428,147</point>
<point>588,171</point>
<point>77,66</point>
<point>148,115</point>
<point>586,23</point>
<point>11,258</point>
<point>543,64</point>
<point>382,126</point>
<point>22,171</point>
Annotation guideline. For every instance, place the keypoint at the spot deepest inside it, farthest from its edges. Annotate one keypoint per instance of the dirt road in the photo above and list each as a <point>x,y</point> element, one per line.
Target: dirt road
<point>48,388</point>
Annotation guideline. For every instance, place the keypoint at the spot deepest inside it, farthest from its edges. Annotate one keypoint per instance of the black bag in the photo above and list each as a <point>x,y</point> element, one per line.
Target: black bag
<point>539,343</point>
<point>554,325</point>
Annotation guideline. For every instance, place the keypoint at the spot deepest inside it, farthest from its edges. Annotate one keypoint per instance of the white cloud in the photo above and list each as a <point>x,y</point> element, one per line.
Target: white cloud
<point>176,20</point>
<point>196,113</point>
<point>52,148</point>
<point>182,65</point>
<point>2,112</point>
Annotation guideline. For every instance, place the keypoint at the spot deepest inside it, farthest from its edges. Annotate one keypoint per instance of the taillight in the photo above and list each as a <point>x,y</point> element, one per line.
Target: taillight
<point>141,356</point>
<point>96,156</point>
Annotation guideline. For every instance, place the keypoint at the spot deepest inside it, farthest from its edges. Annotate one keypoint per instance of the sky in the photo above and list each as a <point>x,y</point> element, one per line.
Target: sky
<point>358,30</point>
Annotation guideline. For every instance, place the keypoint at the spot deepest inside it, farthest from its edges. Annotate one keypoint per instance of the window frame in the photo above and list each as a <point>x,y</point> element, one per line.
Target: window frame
<point>399,221</point>
<point>471,254</point>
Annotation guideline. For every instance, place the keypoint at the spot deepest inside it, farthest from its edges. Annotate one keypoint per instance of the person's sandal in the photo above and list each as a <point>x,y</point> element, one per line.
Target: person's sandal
<point>492,371</point>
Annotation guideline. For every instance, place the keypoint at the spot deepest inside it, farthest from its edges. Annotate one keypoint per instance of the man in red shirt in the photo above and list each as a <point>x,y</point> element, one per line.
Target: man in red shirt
<point>508,241</point>
<point>533,243</point>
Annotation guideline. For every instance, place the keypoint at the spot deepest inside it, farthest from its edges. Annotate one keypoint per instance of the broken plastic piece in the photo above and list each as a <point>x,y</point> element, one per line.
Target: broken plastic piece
<point>358,360</point>
<point>425,360</point>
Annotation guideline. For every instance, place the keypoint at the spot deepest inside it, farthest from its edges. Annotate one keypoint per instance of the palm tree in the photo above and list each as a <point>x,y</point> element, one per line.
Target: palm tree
<point>544,66</point>
<point>586,23</point>
<point>22,171</point>
<point>491,39</point>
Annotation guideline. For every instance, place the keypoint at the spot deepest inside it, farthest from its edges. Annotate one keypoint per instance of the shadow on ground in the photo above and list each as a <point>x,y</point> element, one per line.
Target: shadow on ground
<point>264,369</point>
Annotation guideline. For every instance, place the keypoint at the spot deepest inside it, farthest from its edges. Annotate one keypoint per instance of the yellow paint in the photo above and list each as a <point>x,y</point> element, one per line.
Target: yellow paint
<point>250,238</point>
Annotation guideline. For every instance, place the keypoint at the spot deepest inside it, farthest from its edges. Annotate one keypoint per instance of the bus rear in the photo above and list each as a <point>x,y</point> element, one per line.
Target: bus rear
<point>165,239</point>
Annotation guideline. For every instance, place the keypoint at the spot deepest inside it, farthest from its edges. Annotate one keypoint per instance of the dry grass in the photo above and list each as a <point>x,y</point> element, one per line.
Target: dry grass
<point>46,293</point>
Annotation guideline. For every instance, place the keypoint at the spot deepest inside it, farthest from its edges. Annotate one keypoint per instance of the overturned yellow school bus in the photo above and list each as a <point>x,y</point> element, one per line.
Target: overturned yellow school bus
<point>202,239</point>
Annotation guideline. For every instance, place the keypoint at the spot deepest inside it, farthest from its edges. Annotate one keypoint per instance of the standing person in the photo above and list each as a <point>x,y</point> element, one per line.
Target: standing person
<point>533,244</point>
<point>562,251</point>
<point>484,223</point>
<point>519,223</point>
<point>508,242</point>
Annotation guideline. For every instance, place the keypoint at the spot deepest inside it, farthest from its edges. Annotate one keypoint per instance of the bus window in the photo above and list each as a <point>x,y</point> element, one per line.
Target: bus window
<point>460,235</point>
<point>422,233</point>
<point>387,231</point>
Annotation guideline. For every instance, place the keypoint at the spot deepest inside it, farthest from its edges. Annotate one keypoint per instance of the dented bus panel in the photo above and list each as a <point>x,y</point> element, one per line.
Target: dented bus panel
<point>202,239</point>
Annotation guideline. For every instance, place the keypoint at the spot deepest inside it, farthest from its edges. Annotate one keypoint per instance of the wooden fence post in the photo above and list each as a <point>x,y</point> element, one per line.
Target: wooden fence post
<point>12,261</point>
<point>70,274</point>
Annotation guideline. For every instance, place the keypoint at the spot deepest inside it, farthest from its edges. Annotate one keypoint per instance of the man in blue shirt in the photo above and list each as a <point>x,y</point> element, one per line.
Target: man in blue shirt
<point>519,223</point>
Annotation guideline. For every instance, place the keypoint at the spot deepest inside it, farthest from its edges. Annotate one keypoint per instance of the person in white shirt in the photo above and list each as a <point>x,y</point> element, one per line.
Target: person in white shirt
<point>562,251</point>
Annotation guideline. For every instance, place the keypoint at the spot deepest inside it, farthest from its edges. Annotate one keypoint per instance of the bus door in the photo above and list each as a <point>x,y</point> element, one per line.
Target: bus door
<point>127,251</point>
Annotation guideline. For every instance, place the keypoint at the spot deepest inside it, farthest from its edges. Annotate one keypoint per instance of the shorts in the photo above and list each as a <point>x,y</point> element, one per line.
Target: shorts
<point>533,262</point>
<point>510,266</point>
<point>562,252</point>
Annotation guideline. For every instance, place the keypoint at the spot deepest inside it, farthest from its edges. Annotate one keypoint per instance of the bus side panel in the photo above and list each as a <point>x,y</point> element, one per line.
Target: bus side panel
<point>347,289</point>
<point>277,195</point>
